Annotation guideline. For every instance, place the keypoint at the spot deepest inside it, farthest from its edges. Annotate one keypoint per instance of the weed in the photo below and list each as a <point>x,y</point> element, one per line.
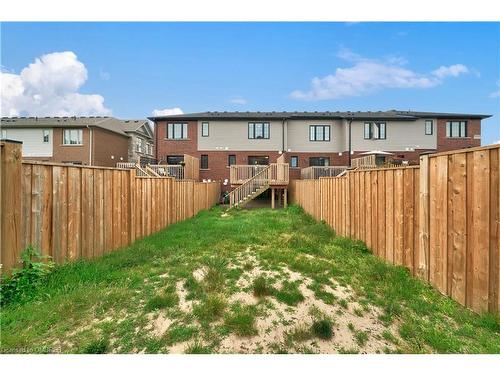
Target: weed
<point>241,322</point>
<point>96,347</point>
<point>212,308</point>
<point>361,337</point>
<point>289,294</point>
<point>197,348</point>
<point>162,301</point>
<point>323,329</point>
<point>261,287</point>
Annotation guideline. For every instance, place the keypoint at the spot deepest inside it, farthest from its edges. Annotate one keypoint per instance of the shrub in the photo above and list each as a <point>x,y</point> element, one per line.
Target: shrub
<point>24,282</point>
<point>323,329</point>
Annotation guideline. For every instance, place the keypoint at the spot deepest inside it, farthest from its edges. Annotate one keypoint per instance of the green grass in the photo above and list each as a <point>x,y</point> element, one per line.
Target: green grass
<point>323,329</point>
<point>107,304</point>
<point>261,287</point>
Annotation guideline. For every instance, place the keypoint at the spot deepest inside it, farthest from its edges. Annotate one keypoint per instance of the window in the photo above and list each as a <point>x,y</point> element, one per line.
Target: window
<point>319,162</point>
<point>319,132</point>
<point>138,144</point>
<point>174,159</point>
<point>429,127</point>
<point>294,162</point>
<point>204,129</point>
<point>45,136</point>
<point>177,131</point>
<point>258,160</point>
<point>258,130</point>
<point>456,129</point>
<point>204,162</point>
<point>375,130</point>
<point>72,137</point>
<point>368,130</point>
<point>231,160</point>
<point>4,134</point>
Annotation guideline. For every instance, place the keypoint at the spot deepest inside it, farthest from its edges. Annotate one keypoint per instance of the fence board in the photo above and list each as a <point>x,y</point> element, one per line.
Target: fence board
<point>440,220</point>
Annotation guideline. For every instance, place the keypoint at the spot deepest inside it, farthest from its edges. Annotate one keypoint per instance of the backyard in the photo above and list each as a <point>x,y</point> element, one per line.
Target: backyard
<point>243,281</point>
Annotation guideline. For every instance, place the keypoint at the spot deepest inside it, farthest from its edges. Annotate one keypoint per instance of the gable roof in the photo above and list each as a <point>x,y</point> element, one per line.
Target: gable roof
<point>386,115</point>
<point>112,124</point>
<point>134,126</point>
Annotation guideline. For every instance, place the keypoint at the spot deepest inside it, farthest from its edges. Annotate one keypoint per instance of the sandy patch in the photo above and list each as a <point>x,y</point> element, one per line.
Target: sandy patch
<point>200,273</point>
<point>244,298</point>
<point>159,324</point>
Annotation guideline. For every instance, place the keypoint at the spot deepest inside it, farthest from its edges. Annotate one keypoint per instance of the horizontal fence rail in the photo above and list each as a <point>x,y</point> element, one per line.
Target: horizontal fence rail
<point>71,212</point>
<point>440,220</point>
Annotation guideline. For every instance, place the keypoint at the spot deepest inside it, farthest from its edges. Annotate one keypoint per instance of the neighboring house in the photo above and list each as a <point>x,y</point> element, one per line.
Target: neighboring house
<point>91,140</point>
<point>220,139</point>
<point>141,145</point>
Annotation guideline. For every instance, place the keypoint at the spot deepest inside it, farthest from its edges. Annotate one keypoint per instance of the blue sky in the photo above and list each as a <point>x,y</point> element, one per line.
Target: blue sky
<point>131,69</point>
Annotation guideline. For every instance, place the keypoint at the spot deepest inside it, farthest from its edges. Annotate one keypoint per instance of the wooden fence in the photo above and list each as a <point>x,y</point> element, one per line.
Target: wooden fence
<point>70,212</point>
<point>440,220</point>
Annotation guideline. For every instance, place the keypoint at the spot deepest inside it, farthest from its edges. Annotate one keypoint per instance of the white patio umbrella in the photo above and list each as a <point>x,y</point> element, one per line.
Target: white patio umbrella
<point>376,152</point>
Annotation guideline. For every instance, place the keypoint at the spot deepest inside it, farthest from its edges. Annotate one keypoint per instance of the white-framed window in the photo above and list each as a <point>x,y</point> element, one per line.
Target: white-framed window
<point>3,135</point>
<point>204,129</point>
<point>45,134</point>
<point>294,162</point>
<point>73,137</point>
<point>429,127</point>
<point>258,130</point>
<point>456,129</point>
<point>177,131</point>
<point>374,130</point>
<point>319,133</point>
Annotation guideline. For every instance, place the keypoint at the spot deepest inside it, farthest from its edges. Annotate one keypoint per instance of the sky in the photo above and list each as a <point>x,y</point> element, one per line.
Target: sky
<point>135,70</point>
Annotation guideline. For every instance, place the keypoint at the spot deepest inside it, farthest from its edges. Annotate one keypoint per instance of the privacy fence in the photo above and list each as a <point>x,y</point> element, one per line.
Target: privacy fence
<point>70,212</point>
<point>440,220</point>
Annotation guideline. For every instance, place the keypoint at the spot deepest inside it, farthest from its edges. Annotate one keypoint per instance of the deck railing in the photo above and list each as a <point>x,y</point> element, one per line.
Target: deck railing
<point>252,186</point>
<point>279,174</point>
<point>155,170</point>
<point>241,173</point>
<point>319,171</point>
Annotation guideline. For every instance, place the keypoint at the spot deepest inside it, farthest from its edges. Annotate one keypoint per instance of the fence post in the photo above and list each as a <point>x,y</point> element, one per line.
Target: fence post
<point>10,203</point>
<point>423,219</point>
<point>131,203</point>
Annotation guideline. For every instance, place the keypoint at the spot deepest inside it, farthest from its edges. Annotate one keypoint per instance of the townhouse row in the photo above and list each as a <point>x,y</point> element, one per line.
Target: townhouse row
<point>222,139</point>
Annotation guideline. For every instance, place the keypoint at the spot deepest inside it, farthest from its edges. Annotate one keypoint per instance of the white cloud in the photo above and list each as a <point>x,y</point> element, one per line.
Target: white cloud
<point>366,76</point>
<point>238,100</point>
<point>450,71</point>
<point>49,87</point>
<point>167,111</point>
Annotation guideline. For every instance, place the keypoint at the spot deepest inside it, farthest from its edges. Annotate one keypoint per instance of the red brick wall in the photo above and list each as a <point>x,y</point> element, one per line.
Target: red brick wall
<point>447,144</point>
<point>64,153</point>
<point>166,146</point>
<point>107,144</point>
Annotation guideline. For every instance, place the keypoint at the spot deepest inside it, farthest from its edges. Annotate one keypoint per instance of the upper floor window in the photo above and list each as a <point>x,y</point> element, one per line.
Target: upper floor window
<point>204,129</point>
<point>231,160</point>
<point>258,130</point>
<point>138,145</point>
<point>456,129</point>
<point>294,161</point>
<point>319,132</point>
<point>177,131</point>
<point>319,162</point>
<point>429,127</point>
<point>73,137</point>
<point>374,130</point>
<point>4,134</point>
<point>45,136</point>
<point>204,162</point>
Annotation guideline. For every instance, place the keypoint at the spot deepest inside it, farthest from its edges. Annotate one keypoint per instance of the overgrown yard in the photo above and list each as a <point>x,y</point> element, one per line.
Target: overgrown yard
<point>257,281</point>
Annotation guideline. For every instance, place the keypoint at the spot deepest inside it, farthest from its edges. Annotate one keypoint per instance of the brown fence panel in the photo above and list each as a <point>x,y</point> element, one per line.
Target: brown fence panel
<point>440,220</point>
<point>69,212</point>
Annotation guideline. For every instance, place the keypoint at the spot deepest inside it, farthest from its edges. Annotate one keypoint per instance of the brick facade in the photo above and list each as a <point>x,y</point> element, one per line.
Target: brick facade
<point>165,147</point>
<point>447,144</point>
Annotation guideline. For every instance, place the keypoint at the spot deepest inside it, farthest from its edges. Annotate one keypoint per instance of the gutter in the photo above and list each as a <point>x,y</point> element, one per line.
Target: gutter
<point>91,135</point>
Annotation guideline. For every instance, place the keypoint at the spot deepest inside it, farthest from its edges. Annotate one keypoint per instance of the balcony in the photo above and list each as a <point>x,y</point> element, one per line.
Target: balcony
<point>278,173</point>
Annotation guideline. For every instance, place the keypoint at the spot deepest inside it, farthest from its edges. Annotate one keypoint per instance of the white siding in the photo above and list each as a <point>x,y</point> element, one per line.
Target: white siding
<point>234,136</point>
<point>298,136</point>
<point>33,145</point>
<point>400,135</point>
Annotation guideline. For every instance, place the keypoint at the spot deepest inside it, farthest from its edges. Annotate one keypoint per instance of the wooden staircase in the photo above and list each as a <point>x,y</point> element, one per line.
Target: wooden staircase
<point>250,189</point>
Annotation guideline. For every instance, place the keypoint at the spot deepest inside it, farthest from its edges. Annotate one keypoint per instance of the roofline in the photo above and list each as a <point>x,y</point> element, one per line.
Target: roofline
<point>264,116</point>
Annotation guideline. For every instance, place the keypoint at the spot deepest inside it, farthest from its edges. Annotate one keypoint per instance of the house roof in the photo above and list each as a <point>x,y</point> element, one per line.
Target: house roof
<point>112,124</point>
<point>133,126</point>
<point>387,115</point>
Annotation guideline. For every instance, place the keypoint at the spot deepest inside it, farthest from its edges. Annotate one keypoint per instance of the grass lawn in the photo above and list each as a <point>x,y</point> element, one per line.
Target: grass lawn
<point>249,281</point>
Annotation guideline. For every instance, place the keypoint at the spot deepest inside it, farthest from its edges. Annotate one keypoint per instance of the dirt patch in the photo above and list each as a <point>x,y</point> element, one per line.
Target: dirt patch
<point>158,324</point>
<point>200,273</point>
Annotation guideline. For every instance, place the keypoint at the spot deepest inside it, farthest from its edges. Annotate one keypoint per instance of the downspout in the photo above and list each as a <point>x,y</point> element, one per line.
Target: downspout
<point>283,135</point>
<point>91,135</point>
<point>350,146</point>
